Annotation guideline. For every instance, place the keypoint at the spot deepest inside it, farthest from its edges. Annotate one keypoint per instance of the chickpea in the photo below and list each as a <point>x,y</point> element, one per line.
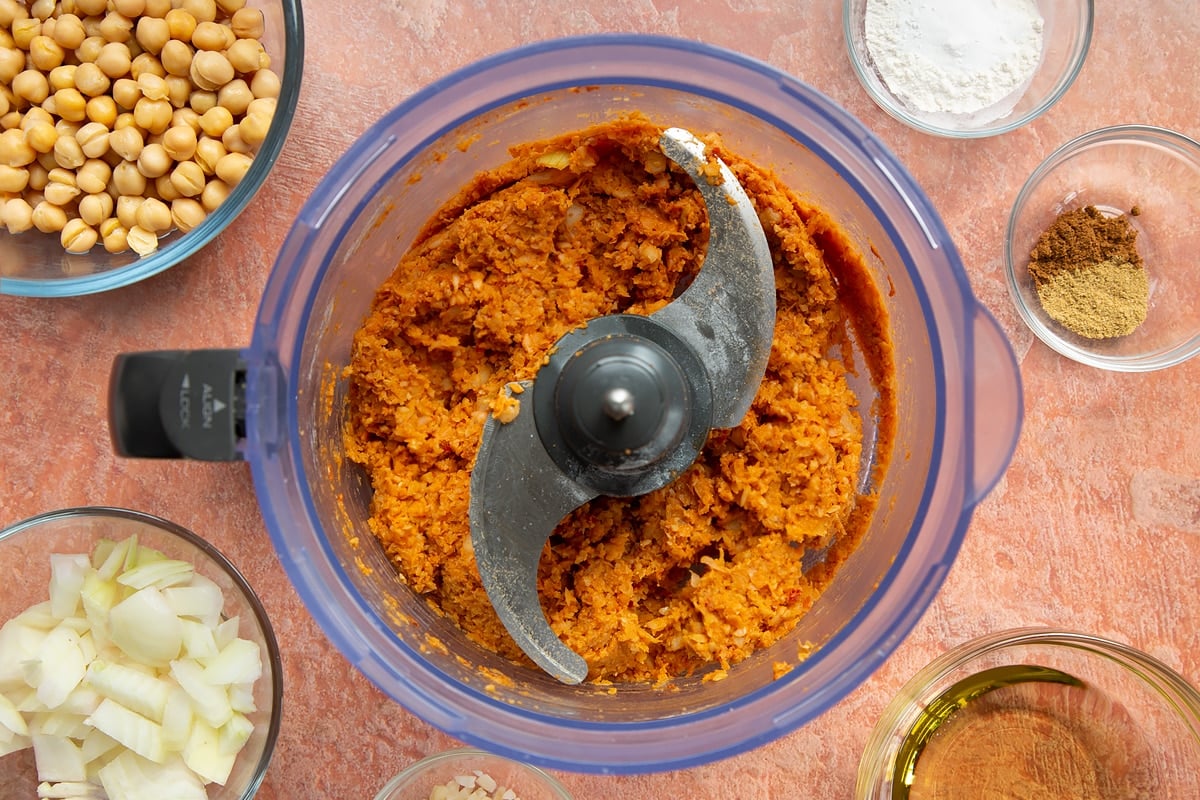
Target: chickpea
<point>233,167</point>
<point>15,179</point>
<point>186,117</point>
<point>32,86</point>
<point>246,55</point>
<point>153,161</point>
<point>216,121</point>
<point>165,190</point>
<point>208,152</point>
<point>78,237</point>
<point>61,77</point>
<point>188,178</point>
<point>48,217</point>
<point>14,150</point>
<point>124,120</point>
<point>45,53</point>
<point>115,60</point>
<point>130,8</point>
<point>265,83</point>
<point>69,32</point>
<point>254,128</point>
<point>93,139</point>
<point>116,27</point>
<point>182,24</point>
<point>141,241</point>
<point>209,36</point>
<point>229,6</point>
<point>39,176</point>
<point>154,215</point>
<point>41,136</point>
<point>10,120</point>
<point>12,61</point>
<point>202,10</point>
<point>70,105</point>
<point>102,109</point>
<point>247,23</point>
<point>91,80</point>
<point>210,70</point>
<point>42,9</point>
<point>127,143</point>
<point>17,215</point>
<point>145,62</point>
<point>233,141</point>
<point>126,93</point>
<point>95,208</point>
<point>91,8</point>
<point>5,103</point>
<point>153,116</point>
<point>89,50</point>
<point>202,101</point>
<point>93,176</point>
<point>180,143</point>
<point>153,87</point>
<point>152,34</point>
<point>215,192</point>
<point>127,208</point>
<point>187,213</point>
<point>128,180</point>
<point>176,58</point>
<point>179,90</point>
<point>61,194</point>
<point>115,240</point>
<point>235,96</point>
<point>24,31</point>
<point>157,8</point>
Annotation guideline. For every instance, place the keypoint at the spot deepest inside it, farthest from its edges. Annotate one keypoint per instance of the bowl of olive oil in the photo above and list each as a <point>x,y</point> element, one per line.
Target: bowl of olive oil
<point>1037,714</point>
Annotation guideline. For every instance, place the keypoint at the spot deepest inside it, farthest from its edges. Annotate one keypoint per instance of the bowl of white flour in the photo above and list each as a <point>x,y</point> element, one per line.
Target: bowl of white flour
<point>967,69</point>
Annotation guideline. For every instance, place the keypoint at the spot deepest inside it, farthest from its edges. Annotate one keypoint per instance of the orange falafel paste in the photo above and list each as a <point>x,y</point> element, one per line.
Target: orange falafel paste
<point>699,574</point>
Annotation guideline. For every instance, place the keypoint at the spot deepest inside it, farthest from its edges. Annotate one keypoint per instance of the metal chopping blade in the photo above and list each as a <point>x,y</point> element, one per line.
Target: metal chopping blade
<point>623,406</point>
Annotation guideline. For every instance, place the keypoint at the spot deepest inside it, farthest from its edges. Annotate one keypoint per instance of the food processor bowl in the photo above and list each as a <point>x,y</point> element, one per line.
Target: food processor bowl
<point>959,401</point>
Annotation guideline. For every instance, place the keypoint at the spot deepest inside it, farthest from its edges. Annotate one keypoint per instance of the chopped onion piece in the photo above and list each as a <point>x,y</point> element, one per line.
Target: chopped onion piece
<point>145,628</point>
<point>58,758</point>
<point>130,728</point>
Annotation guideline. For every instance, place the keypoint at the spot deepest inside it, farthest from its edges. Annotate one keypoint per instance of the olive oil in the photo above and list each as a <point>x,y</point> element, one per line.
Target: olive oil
<point>1022,732</point>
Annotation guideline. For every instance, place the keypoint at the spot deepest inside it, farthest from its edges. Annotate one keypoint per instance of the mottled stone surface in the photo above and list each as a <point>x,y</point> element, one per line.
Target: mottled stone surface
<point>1096,525</point>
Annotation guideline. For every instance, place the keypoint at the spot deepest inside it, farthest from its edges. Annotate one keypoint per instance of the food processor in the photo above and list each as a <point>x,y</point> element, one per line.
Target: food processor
<point>279,403</point>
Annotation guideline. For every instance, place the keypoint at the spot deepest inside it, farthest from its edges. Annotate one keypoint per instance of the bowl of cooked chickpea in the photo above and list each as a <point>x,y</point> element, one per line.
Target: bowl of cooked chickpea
<point>132,132</point>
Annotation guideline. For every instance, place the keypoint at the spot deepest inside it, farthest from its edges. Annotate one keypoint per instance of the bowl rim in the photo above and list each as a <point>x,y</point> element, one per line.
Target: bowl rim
<point>1006,124</point>
<point>445,756</point>
<point>875,764</point>
<point>274,655</point>
<point>177,248</point>
<point>1126,363</point>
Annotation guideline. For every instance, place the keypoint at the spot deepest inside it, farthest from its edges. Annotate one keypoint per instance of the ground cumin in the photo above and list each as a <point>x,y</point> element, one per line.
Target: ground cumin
<point>702,572</point>
<point>1088,274</point>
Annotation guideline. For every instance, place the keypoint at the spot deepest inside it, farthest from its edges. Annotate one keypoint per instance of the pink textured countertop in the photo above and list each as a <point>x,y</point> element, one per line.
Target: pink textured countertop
<point>1095,526</point>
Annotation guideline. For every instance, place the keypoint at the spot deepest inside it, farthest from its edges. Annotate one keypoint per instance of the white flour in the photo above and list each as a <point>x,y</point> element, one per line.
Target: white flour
<point>959,57</point>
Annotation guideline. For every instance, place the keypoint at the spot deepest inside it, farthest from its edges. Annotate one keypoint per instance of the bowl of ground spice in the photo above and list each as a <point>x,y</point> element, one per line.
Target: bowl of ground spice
<point>1038,714</point>
<point>967,70</point>
<point>1101,245</point>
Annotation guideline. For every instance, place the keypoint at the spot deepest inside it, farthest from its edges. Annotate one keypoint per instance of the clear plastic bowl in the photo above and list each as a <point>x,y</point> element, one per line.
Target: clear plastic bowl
<point>25,549</point>
<point>1136,718</point>
<point>1066,37</point>
<point>34,264</point>
<point>418,780</point>
<point>960,400</point>
<point>1116,169</point>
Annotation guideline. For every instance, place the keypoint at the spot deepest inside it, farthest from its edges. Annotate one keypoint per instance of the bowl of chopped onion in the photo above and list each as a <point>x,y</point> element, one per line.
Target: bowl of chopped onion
<point>132,132</point>
<point>470,774</point>
<point>135,662</point>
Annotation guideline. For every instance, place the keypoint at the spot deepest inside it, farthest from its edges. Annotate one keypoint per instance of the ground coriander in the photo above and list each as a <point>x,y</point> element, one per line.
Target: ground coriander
<point>1088,273</point>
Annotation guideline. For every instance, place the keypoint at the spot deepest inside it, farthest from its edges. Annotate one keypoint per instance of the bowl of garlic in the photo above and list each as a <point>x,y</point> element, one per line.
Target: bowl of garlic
<point>467,773</point>
<point>132,132</point>
<point>135,662</point>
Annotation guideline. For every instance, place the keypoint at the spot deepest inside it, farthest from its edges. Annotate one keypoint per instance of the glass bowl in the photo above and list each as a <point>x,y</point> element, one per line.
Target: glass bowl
<point>34,264</point>
<point>1065,714</point>
<point>1116,170</point>
<point>1066,36</point>
<point>473,766</point>
<point>959,404</point>
<point>25,550</point>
